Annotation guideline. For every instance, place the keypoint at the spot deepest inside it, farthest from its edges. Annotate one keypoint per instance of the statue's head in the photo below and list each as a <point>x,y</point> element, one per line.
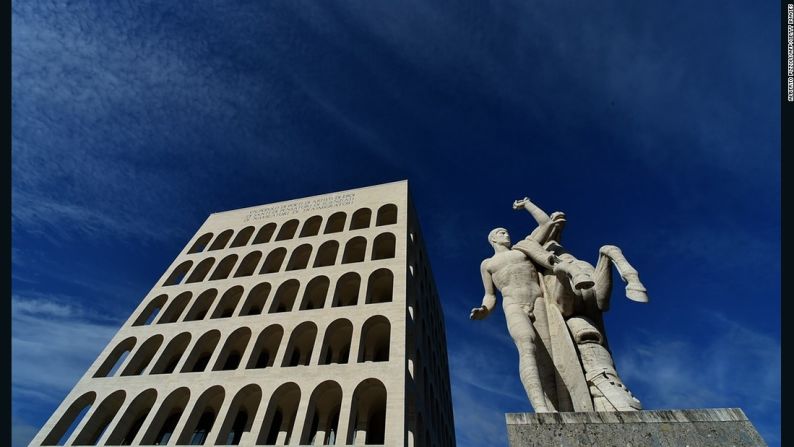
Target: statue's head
<point>499,236</point>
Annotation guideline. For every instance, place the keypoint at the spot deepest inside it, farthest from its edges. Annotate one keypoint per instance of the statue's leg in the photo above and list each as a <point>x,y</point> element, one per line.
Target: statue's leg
<point>523,333</point>
<point>634,288</point>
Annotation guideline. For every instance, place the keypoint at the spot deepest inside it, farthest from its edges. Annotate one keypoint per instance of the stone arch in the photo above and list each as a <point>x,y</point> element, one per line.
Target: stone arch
<point>383,246</point>
<point>355,250</point>
<point>257,298</point>
<point>173,351</point>
<point>202,305</point>
<point>387,215</point>
<point>167,418</point>
<point>116,358</point>
<point>326,254</point>
<point>248,264</point>
<point>380,286</point>
<point>70,420</point>
<point>347,289</point>
<point>266,347</point>
<point>322,415</point>
<point>287,230</point>
<point>312,226</point>
<point>132,420</point>
<point>301,343</point>
<point>240,416</point>
<point>140,360</point>
<point>280,415</point>
<point>202,418</point>
<point>176,308</point>
<point>224,268</point>
<point>202,352</point>
<point>300,257</point>
<point>368,414</point>
<point>284,299</point>
<point>242,237</point>
<point>201,243</point>
<point>150,312</point>
<point>274,260</point>
<point>361,219</point>
<point>265,233</point>
<point>100,419</point>
<point>178,274</point>
<point>232,351</point>
<point>228,303</point>
<point>220,242</point>
<point>200,272</point>
<point>375,340</point>
<point>336,342</point>
<point>336,223</point>
<point>315,294</point>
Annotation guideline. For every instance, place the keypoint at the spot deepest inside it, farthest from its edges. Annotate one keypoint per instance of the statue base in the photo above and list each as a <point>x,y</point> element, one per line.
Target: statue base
<point>658,428</point>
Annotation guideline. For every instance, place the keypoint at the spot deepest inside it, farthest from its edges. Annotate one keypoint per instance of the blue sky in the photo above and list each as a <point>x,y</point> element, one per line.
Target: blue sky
<point>655,128</point>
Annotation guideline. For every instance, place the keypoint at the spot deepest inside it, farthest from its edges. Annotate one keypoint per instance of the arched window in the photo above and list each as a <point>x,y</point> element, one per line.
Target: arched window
<point>375,335</point>
<point>150,311</point>
<point>322,417</point>
<point>387,215</point>
<point>202,305</point>
<point>240,416</point>
<point>70,420</point>
<point>265,233</point>
<point>99,421</point>
<point>336,343</point>
<point>311,227</point>
<point>168,360</point>
<point>220,242</point>
<point>201,243</point>
<point>256,300</point>
<point>368,414</point>
<point>202,352</point>
<point>380,286</point>
<point>383,246</point>
<point>166,418</point>
<point>326,254</point>
<point>248,266</point>
<point>242,237</point>
<point>361,219</point>
<point>287,230</point>
<point>354,250</point>
<point>314,296</point>
<point>274,260</point>
<point>201,270</point>
<point>178,274</point>
<point>280,416</point>
<point>175,309</point>
<point>228,303</point>
<point>266,347</point>
<point>140,360</point>
<point>132,420</point>
<point>336,223</point>
<point>233,350</point>
<point>116,358</point>
<point>301,342</point>
<point>300,257</point>
<point>224,268</point>
<point>346,293</point>
<point>201,419</point>
<point>284,298</point>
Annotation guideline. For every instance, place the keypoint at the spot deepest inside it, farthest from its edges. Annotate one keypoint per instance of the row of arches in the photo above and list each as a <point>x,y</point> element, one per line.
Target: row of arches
<point>154,356</point>
<point>327,254</point>
<point>213,418</point>
<point>386,215</point>
<point>345,291</point>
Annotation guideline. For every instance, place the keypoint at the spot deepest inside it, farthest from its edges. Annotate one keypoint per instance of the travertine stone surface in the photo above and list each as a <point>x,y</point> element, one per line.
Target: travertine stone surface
<point>723,427</point>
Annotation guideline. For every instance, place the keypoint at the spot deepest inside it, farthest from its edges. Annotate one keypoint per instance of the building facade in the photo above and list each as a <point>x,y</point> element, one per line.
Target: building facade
<point>307,322</point>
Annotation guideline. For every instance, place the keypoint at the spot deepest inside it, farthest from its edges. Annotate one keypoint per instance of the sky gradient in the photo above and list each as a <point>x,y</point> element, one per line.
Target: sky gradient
<point>654,129</point>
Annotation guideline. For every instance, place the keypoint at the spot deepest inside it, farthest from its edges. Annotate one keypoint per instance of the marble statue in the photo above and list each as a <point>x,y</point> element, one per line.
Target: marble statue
<point>553,304</point>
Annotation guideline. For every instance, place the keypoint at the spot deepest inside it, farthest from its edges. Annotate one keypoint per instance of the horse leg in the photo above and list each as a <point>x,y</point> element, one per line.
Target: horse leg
<point>634,289</point>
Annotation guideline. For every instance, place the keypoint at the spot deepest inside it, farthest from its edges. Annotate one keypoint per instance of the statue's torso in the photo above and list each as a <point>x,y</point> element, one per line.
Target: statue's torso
<point>515,277</point>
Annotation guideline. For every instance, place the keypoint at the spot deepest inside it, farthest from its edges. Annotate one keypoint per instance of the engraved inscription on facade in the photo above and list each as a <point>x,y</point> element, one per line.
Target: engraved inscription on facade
<point>288,209</point>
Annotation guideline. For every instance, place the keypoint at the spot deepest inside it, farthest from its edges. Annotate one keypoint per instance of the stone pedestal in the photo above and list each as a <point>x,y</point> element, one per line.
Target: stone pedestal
<point>658,428</point>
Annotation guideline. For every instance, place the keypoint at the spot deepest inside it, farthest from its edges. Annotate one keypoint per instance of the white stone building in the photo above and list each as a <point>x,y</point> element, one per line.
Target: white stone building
<point>310,321</point>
